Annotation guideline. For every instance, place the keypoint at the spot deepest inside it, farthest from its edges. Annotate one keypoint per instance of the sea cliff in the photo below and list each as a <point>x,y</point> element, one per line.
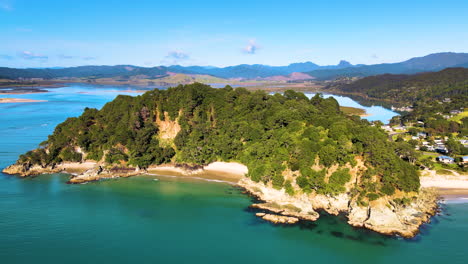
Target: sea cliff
<point>382,215</point>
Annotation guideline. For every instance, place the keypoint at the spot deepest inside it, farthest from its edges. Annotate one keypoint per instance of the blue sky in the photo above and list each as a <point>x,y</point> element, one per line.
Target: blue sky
<point>45,33</point>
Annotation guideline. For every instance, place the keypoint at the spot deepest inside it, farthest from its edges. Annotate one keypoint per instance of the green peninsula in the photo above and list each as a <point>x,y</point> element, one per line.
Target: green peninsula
<point>302,154</point>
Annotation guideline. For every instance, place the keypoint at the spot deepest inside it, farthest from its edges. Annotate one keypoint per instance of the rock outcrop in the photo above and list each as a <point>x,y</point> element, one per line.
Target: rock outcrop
<point>25,170</point>
<point>98,173</point>
<point>92,171</point>
<point>382,215</point>
<point>278,219</point>
<point>168,129</point>
<point>80,172</point>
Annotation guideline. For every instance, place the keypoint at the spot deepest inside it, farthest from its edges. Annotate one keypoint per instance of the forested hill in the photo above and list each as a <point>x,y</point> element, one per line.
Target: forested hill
<point>245,71</point>
<point>407,89</point>
<point>431,62</point>
<point>271,134</point>
<point>238,71</point>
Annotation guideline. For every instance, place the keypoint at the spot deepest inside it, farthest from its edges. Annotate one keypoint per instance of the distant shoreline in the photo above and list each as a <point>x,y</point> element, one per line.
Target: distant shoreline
<point>269,86</point>
<point>354,111</point>
<point>18,100</point>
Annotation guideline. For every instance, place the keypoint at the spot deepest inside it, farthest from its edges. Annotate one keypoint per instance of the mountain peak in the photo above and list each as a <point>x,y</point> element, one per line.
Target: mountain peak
<point>303,63</point>
<point>344,63</point>
<point>437,61</point>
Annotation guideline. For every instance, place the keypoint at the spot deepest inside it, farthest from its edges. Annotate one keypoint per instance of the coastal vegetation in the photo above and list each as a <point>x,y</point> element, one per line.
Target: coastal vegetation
<point>433,111</point>
<point>353,110</point>
<point>273,135</point>
<point>404,90</point>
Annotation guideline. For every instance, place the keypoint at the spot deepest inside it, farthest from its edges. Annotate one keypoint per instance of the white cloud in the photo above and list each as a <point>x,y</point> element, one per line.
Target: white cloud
<point>175,57</point>
<point>65,57</point>
<point>69,57</point>
<point>251,48</point>
<point>28,55</point>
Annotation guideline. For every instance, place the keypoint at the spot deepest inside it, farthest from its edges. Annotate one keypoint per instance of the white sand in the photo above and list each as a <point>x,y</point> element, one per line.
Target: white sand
<point>445,182</point>
<point>166,169</point>
<point>222,171</point>
<point>451,187</point>
<point>227,167</point>
<point>430,178</point>
<point>76,167</point>
<point>18,100</point>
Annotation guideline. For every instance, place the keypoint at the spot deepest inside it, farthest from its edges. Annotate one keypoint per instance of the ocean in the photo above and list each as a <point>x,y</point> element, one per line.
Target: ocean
<point>152,219</point>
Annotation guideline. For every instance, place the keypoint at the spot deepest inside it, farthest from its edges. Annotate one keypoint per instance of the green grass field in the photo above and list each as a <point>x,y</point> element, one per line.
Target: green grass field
<point>460,116</point>
<point>353,110</point>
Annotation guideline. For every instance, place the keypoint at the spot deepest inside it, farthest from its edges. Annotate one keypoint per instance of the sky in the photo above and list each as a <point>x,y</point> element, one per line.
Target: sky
<point>59,33</point>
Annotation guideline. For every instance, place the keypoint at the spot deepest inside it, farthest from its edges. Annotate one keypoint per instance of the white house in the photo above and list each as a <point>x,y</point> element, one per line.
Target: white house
<point>422,134</point>
<point>445,159</point>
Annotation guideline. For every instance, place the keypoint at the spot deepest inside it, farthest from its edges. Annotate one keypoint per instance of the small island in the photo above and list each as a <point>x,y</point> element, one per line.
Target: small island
<point>298,156</point>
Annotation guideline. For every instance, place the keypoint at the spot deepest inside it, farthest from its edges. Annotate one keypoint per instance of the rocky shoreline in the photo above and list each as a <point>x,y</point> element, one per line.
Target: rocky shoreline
<point>382,215</point>
<point>81,172</point>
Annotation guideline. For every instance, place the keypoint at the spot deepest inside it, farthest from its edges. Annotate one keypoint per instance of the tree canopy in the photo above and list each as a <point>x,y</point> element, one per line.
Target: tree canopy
<point>268,133</point>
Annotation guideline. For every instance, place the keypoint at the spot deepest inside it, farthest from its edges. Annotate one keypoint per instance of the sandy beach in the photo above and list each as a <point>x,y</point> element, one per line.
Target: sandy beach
<point>77,167</point>
<point>116,91</point>
<point>450,187</point>
<point>11,93</point>
<point>230,172</point>
<point>18,100</point>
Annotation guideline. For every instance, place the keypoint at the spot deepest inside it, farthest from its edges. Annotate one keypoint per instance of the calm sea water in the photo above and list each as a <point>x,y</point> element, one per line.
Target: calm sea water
<point>375,112</point>
<point>143,220</point>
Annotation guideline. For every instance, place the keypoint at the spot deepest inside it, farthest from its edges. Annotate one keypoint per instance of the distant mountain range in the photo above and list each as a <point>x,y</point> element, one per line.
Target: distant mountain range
<point>308,70</point>
<point>429,63</point>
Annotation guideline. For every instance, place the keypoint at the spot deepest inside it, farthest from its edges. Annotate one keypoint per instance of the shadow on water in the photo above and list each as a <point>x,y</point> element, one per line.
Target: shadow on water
<point>338,228</point>
<point>146,213</point>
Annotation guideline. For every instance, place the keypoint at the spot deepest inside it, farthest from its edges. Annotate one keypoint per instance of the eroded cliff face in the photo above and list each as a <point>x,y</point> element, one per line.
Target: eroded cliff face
<point>382,215</point>
<point>168,129</point>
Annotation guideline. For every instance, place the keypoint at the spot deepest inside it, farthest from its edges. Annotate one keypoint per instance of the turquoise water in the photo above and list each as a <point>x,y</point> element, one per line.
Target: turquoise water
<point>141,220</point>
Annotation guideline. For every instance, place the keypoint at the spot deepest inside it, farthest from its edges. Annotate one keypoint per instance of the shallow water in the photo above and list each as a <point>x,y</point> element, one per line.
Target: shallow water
<point>374,112</point>
<point>140,220</point>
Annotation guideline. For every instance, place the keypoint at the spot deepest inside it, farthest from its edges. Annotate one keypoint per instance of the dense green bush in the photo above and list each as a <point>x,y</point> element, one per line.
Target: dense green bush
<point>268,133</point>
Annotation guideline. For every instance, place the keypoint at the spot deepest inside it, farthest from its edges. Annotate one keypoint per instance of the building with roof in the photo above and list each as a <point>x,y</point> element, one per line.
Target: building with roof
<point>445,159</point>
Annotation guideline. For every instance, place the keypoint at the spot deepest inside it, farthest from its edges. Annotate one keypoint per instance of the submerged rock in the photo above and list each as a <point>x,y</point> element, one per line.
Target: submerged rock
<point>278,219</point>
<point>381,215</point>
